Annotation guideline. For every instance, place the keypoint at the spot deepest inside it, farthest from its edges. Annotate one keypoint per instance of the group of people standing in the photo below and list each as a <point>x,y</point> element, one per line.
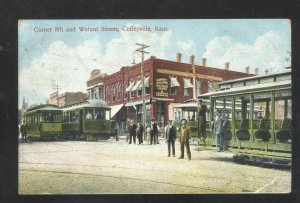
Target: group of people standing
<point>218,126</point>
<point>135,131</point>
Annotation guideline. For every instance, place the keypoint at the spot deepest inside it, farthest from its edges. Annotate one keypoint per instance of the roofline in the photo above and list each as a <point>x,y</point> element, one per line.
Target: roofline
<point>253,77</point>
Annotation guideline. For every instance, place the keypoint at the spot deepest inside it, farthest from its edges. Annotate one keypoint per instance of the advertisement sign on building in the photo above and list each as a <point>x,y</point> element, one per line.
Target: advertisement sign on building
<point>162,87</point>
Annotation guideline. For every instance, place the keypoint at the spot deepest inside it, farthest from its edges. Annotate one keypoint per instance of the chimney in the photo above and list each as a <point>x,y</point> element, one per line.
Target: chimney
<point>266,71</point>
<point>256,71</point>
<point>178,57</point>
<point>226,66</point>
<point>204,62</point>
<point>247,69</point>
<point>192,57</point>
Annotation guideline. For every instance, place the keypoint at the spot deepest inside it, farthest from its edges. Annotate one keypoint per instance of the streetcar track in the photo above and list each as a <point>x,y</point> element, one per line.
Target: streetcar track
<point>126,178</point>
<point>97,166</point>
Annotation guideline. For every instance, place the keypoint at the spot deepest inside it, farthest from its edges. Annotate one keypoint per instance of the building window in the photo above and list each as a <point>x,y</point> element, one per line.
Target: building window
<point>139,91</point>
<point>92,93</point>
<point>132,94</point>
<point>173,84</point>
<point>124,91</point>
<point>187,86</point>
<point>107,93</point>
<point>198,87</point>
<point>173,90</point>
<point>113,93</point>
<point>119,91</point>
<point>96,93</point>
<point>100,91</point>
<point>186,92</point>
<point>210,86</point>
<point>89,94</point>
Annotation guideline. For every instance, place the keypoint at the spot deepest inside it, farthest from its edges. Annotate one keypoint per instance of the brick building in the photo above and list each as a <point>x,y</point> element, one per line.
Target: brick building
<point>67,98</point>
<point>166,83</point>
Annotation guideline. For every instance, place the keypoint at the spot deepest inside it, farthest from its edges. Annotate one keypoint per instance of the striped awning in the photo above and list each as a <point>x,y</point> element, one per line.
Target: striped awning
<point>130,86</point>
<point>136,86</point>
<point>187,83</point>
<point>174,82</point>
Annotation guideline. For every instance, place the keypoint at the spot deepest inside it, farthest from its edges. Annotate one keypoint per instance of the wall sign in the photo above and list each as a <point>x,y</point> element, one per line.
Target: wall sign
<point>162,87</point>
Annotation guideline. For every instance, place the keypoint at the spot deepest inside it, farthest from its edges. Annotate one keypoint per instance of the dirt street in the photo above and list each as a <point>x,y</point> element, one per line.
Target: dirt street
<point>110,167</point>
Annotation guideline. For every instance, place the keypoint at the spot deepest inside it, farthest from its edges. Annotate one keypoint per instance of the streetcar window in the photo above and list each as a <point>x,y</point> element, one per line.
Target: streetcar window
<point>89,115</point>
<point>283,105</point>
<point>107,114</point>
<point>99,114</point>
<point>262,104</point>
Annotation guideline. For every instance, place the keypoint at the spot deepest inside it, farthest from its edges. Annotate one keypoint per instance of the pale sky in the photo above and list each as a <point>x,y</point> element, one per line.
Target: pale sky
<point>69,57</point>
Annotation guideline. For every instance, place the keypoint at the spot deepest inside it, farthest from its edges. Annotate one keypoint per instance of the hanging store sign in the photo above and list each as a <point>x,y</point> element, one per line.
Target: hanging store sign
<point>162,87</point>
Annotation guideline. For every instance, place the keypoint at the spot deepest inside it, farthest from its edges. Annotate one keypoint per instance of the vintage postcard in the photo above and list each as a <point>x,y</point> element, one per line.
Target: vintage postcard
<point>191,106</point>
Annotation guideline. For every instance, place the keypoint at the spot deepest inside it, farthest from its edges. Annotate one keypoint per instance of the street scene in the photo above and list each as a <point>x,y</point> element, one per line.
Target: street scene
<point>110,167</point>
<point>155,106</point>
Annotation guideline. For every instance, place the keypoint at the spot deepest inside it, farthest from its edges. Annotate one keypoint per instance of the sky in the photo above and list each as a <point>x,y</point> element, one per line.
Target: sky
<point>59,52</point>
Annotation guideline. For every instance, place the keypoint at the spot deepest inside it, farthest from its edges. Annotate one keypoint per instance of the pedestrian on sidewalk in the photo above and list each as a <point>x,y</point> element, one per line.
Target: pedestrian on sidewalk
<point>218,127</point>
<point>117,131</point>
<point>139,132</point>
<point>132,132</point>
<point>24,132</point>
<point>184,139</point>
<point>153,131</point>
<point>170,137</point>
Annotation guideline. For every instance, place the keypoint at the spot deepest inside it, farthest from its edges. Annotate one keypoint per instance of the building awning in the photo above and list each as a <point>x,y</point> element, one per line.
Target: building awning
<point>137,85</point>
<point>115,109</point>
<point>146,82</point>
<point>130,86</point>
<point>137,103</point>
<point>174,82</point>
<point>187,83</point>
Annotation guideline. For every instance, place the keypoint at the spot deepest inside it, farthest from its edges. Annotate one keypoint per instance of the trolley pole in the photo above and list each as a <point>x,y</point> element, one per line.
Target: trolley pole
<point>141,50</point>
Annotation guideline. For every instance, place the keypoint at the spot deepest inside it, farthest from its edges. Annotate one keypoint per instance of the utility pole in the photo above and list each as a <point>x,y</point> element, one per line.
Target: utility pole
<point>141,50</point>
<point>56,87</point>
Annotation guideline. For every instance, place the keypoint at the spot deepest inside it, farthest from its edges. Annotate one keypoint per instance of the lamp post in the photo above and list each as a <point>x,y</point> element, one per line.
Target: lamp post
<point>141,50</point>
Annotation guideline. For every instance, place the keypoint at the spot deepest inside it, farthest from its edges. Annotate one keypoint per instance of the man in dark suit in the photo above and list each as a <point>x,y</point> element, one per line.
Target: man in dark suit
<point>24,132</point>
<point>153,132</point>
<point>218,128</point>
<point>202,121</point>
<point>139,132</point>
<point>132,132</point>
<point>171,136</point>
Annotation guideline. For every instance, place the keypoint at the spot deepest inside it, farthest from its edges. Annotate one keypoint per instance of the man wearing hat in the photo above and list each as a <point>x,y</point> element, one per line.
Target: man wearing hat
<point>171,136</point>
<point>202,121</point>
<point>184,138</point>
<point>153,131</point>
<point>218,127</point>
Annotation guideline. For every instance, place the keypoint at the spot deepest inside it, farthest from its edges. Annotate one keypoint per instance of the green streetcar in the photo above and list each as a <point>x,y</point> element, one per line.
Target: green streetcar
<point>43,122</point>
<point>88,120</point>
<point>259,110</point>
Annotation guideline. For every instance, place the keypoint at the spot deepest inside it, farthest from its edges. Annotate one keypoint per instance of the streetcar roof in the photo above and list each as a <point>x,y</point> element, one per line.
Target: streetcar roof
<point>44,107</point>
<point>88,103</point>
<point>254,77</point>
<point>285,84</point>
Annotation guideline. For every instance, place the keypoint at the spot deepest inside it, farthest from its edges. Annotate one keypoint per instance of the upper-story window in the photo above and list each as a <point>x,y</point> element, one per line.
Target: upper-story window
<point>198,87</point>
<point>125,92</point>
<point>173,85</point>
<point>210,86</point>
<point>147,84</point>
<point>113,93</point>
<point>187,86</point>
